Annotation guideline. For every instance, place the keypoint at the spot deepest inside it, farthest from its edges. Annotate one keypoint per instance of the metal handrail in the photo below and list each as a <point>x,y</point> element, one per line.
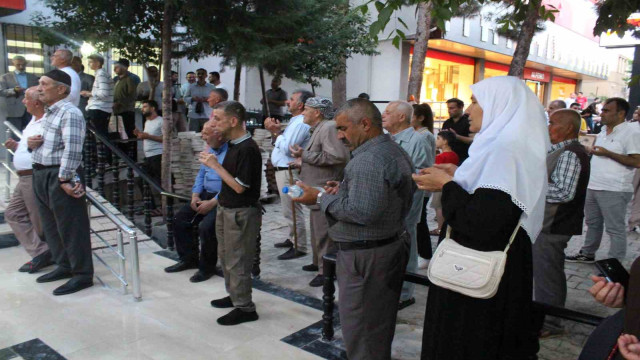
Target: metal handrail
<point>132,164</point>
<point>133,249</point>
<point>122,227</point>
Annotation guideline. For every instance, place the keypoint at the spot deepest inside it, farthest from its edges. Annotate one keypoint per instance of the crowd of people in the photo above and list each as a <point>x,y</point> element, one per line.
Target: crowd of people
<point>503,175</point>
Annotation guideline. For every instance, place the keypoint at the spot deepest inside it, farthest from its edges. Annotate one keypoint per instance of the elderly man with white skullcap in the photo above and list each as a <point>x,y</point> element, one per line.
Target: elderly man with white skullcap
<point>321,161</point>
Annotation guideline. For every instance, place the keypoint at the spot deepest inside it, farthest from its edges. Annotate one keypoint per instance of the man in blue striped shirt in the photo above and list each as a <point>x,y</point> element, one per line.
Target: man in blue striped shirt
<point>200,212</point>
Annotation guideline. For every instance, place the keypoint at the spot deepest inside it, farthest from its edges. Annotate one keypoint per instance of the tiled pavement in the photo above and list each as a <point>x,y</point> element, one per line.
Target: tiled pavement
<point>288,274</point>
<point>408,337</point>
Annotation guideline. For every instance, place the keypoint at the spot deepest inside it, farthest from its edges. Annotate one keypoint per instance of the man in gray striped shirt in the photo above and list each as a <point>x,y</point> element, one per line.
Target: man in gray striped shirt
<point>366,214</point>
<point>57,155</point>
<point>100,97</point>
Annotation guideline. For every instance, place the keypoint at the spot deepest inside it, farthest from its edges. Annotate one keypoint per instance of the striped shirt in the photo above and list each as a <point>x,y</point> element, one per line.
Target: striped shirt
<point>564,178</point>
<point>102,92</point>
<point>63,130</point>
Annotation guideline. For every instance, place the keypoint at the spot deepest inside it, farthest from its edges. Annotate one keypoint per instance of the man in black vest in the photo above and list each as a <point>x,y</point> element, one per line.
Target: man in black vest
<point>568,168</point>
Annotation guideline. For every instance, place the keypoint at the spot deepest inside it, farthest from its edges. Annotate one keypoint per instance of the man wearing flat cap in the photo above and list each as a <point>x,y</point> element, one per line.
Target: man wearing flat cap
<point>321,161</point>
<point>56,156</point>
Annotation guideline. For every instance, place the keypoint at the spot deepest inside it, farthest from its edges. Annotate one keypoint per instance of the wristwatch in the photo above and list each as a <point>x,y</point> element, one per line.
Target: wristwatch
<point>318,199</point>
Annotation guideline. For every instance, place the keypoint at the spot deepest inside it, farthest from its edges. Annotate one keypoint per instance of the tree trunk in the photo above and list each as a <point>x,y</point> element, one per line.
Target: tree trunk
<point>634,86</point>
<point>167,116</point>
<point>265,104</point>
<point>524,39</point>
<point>236,81</point>
<point>339,88</point>
<point>420,50</point>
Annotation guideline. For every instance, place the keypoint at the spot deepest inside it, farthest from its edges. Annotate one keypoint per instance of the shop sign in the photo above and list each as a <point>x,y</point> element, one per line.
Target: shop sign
<point>536,75</point>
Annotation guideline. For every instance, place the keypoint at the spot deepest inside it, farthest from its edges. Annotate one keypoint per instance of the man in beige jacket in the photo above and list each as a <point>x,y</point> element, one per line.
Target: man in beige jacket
<point>321,161</point>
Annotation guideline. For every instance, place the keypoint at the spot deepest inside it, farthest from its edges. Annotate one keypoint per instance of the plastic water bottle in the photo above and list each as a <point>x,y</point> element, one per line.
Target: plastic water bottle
<point>76,179</point>
<point>293,191</point>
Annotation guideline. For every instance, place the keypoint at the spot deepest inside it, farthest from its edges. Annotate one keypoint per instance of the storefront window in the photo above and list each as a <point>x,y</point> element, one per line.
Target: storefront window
<point>23,40</point>
<point>446,76</point>
<point>492,69</point>
<point>537,88</point>
<point>561,88</point>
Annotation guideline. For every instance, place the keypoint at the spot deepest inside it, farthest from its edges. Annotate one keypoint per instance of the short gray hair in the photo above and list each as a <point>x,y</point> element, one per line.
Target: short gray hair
<point>19,57</point>
<point>358,109</point>
<point>570,116</point>
<point>67,88</point>
<point>233,109</point>
<point>404,108</point>
<point>68,55</point>
<point>304,95</point>
<point>32,93</point>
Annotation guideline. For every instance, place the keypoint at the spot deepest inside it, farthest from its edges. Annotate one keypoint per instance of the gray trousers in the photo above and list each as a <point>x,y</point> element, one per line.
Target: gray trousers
<point>606,208</point>
<point>369,283</point>
<point>412,264</point>
<point>321,243</point>
<point>549,281</point>
<point>282,179</point>
<point>237,231</point>
<point>65,223</point>
<point>634,219</point>
<point>23,217</point>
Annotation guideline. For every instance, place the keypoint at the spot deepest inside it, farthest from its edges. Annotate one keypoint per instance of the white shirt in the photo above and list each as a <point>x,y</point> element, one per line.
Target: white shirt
<point>22,157</point>
<point>74,95</point>
<point>102,92</point>
<point>297,132</point>
<point>608,174</point>
<point>152,127</point>
<point>222,86</point>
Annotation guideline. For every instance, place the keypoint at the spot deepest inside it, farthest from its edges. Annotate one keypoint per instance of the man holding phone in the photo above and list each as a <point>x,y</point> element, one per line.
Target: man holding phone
<point>201,212</point>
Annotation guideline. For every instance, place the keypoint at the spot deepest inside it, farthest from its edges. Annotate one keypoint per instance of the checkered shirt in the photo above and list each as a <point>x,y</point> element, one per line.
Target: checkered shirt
<point>564,178</point>
<point>63,131</point>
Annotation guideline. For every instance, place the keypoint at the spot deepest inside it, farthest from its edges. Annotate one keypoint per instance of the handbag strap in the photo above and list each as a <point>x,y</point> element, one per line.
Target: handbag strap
<point>513,236</point>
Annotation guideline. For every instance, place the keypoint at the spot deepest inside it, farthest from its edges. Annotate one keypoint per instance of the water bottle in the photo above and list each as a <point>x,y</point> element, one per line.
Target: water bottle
<point>76,179</point>
<point>293,191</point>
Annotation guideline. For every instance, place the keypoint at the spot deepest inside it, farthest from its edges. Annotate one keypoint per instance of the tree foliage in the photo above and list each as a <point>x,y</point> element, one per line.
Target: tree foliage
<point>613,15</point>
<point>303,40</point>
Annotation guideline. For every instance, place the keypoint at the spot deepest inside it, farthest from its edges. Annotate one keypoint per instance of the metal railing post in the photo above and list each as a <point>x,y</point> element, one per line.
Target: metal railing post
<point>135,266</point>
<point>7,193</point>
<point>122,260</point>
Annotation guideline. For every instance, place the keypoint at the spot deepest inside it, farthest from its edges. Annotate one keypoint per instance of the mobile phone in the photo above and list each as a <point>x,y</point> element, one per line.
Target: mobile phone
<point>613,271</point>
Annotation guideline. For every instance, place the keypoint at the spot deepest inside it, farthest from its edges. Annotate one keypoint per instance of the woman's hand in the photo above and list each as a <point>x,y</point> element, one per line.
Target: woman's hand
<point>431,179</point>
<point>448,168</point>
<point>607,293</point>
<point>629,347</point>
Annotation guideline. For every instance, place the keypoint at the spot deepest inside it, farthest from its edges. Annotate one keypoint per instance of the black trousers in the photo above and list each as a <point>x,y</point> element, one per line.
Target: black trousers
<point>206,255</point>
<point>129,121</point>
<point>100,120</point>
<point>65,223</point>
<point>153,167</point>
<point>423,237</point>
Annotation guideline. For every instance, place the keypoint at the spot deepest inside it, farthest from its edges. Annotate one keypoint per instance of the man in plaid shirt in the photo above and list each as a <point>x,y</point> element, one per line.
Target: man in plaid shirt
<point>568,168</point>
<point>56,157</point>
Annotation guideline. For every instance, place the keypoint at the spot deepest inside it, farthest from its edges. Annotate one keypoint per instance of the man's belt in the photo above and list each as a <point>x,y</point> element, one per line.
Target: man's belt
<point>37,166</point>
<point>25,172</point>
<point>281,168</point>
<point>364,244</point>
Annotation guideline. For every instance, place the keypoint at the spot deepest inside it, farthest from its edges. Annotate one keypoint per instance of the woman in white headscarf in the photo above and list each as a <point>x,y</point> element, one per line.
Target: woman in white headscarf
<point>502,182</point>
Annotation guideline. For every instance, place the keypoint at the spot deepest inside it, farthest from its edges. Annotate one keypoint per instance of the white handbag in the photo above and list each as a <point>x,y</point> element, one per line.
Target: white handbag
<point>466,271</point>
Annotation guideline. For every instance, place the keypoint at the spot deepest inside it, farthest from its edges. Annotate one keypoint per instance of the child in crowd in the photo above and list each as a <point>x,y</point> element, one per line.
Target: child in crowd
<point>446,156</point>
